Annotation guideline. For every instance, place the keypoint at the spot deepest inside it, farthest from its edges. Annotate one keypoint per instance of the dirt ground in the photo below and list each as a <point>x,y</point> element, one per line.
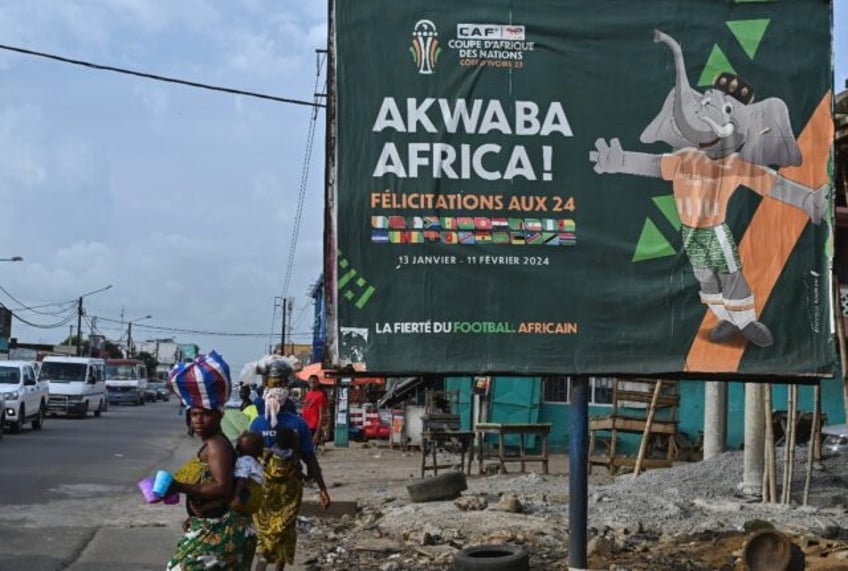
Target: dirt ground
<point>389,532</point>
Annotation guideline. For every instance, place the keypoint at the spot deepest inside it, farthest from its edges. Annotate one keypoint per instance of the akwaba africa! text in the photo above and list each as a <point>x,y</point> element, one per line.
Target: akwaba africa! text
<point>487,161</point>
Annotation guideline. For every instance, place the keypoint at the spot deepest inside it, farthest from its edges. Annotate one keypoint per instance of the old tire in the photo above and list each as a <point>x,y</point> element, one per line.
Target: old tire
<point>445,486</point>
<point>492,558</point>
<point>38,421</point>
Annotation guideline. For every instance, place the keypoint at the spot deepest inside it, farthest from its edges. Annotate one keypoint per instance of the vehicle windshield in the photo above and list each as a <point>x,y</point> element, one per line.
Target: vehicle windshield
<point>62,372</point>
<point>121,372</point>
<point>10,376</point>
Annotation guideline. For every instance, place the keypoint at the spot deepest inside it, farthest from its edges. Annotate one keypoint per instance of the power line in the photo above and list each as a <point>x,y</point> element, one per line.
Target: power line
<point>62,323</point>
<point>33,308</point>
<point>313,103</point>
<point>304,178</point>
<point>189,331</point>
<point>302,312</point>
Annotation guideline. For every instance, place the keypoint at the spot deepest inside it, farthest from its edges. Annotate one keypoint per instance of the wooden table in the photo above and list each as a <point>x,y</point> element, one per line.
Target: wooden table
<point>522,430</point>
<point>432,440</point>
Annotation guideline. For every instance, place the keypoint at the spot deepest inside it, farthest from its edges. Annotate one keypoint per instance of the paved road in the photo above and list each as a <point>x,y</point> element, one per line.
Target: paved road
<point>68,495</point>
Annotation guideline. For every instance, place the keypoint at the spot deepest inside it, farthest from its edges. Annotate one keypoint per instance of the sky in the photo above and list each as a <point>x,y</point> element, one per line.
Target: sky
<point>183,200</point>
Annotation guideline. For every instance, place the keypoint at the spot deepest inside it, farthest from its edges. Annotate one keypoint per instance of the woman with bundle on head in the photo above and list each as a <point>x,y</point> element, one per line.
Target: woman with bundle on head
<point>275,371</point>
<point>216,538</point>
<point>276,520</point>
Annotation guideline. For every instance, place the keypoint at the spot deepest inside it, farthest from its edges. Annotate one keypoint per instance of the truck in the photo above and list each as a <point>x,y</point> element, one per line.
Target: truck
<point>24,394</point>
<point>77,385</point>
<point>126,381</point>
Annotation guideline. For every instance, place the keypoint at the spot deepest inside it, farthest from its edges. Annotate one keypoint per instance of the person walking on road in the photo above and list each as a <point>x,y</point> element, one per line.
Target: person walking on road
<point>315,409</point>
<point>276,520</point>
<point>216,537</point>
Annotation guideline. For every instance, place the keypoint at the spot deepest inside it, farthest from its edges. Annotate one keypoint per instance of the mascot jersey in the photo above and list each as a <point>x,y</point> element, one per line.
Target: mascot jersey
<point>703,186</point>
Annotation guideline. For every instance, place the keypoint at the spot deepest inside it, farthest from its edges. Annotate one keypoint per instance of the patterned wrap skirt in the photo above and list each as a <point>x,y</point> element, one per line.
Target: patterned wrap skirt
<point>276,520</point>
<point>224,543</point>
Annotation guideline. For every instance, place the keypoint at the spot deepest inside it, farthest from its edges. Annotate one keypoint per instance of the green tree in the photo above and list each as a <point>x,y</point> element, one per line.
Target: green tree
<point>149,361</point>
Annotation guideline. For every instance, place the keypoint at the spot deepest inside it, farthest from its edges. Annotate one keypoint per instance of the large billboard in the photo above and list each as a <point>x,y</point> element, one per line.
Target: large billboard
<point>556,186</point>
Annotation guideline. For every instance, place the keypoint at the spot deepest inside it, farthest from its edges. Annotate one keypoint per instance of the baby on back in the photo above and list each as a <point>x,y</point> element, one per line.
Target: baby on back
<point>249,474</point>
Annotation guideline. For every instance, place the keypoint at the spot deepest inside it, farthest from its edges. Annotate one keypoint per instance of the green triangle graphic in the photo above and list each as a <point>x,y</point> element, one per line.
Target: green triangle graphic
<point>749,33</point>
<point>668,208</point>
<point>652,244</point>
<point>717,63</point>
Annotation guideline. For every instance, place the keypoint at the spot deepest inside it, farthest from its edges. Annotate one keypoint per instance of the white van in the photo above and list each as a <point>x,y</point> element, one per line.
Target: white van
<point>126,381</point>
<point>77,385</point>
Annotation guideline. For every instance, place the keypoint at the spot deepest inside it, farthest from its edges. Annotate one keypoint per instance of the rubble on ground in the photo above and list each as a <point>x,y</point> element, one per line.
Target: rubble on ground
<point>683,518</point>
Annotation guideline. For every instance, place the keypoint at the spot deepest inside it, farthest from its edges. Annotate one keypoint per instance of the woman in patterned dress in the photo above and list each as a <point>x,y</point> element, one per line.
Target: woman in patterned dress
<point>216,538</point>
<point>287,442</point>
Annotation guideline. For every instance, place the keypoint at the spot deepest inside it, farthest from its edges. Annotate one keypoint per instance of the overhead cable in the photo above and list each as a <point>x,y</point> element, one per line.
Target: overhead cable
<point>156,77</point>
<point>304,178</point>
<point>34,308</point>
<point>190,331</point>
<point>62,323</point>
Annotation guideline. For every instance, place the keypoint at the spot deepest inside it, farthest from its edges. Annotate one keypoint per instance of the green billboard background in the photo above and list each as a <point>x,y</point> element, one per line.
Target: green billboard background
<point>483,219</point>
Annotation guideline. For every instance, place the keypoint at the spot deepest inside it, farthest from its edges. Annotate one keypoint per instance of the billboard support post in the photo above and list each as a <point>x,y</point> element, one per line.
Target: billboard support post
<point>578,468</point>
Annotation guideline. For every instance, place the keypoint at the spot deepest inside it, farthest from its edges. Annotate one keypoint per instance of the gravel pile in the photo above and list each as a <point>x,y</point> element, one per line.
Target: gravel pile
<point>701,496</point>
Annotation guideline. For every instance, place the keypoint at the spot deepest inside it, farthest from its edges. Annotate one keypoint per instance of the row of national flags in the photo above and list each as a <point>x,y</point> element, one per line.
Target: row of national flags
<point>522,237</point>
<point>472,223</point>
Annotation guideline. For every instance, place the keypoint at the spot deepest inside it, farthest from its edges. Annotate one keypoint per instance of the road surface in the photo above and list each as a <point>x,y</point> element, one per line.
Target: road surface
<point>66,489</point>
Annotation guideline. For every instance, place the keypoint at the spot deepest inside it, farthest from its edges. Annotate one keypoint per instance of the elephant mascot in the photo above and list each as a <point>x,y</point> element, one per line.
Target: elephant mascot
<point>720,139</point>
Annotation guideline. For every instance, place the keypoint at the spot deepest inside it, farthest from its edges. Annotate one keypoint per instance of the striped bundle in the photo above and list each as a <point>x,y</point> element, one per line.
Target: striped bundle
<point>202,383</point>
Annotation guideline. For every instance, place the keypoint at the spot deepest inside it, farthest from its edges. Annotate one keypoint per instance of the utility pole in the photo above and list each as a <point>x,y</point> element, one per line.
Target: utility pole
<point>79,316</point>
<point>90,334</point>
<point>79,327</point>
<point>283,328</point>
<point>130,350</point>
<point>289,307</point>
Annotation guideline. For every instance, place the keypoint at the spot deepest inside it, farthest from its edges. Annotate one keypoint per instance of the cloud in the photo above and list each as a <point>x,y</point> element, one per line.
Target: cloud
<point>153,97</point>
<point>21,157</point>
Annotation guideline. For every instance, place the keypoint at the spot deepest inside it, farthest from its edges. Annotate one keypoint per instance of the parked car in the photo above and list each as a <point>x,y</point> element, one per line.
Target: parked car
<point>24,394</point>
<point>835,440</point>
<point>157,390</point>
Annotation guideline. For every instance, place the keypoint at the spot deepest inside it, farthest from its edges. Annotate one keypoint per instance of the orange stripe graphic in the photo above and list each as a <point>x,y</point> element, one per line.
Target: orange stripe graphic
<point>764,252</point>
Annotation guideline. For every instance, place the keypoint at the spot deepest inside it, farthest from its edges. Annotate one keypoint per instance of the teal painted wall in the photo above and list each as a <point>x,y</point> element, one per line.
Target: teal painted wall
<point>690,414</point>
